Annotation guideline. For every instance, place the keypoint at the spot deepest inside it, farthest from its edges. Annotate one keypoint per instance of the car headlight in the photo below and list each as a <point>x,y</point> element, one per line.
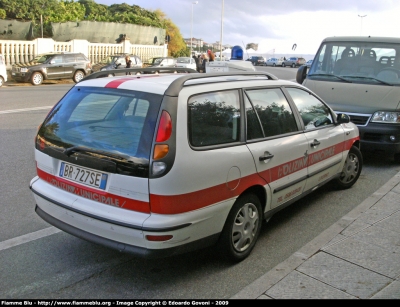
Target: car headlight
<point>386,117</point>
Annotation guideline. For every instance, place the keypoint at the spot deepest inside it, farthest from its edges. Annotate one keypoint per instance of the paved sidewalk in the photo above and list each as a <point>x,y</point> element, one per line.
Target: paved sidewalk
<point>356,258</point>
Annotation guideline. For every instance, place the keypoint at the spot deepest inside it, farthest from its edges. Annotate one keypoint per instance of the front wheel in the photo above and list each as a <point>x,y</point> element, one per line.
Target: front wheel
<point>351,169</point>
<point>283,65</point>
<point>274,64</point>
<point>241,228</point>
<point>254,64</point>
<point>37,78</point>
<point>78,76</point>
<point>1,81</point>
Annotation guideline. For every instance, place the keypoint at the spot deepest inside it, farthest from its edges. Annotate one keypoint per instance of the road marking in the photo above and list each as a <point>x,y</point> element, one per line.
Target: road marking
<point>28,237</point>
<point>25,110</point>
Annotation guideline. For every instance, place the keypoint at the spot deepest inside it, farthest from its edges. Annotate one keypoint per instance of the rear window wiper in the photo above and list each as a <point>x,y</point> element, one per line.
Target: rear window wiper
<point>69,151</point>
<point>331,75</point>
<point>370,78</point>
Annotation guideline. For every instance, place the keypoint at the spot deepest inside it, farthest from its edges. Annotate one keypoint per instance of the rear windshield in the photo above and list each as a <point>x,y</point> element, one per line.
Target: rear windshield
<point>117,122</point>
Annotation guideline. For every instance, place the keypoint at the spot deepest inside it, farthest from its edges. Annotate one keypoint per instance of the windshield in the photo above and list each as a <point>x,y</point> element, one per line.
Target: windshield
<point>183,60</point>
<point>41,58</point>
<point>109,60</point>
<point>157,60</point>
<point>358,62</point>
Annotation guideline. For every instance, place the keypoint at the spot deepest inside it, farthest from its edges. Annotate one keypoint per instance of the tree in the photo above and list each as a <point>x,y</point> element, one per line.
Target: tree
<point>252,46</point>
<point>177,46</point>
<point>69,10</point>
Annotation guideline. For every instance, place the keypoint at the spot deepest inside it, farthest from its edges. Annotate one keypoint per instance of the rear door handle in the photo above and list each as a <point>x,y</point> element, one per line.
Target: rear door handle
<point>267,155</point>
<point>315,143</point>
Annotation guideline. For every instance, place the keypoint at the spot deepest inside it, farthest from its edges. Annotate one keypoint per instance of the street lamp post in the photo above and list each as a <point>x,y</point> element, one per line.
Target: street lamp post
<point>191,29</point>
<point>222,26</point>
<point>361,16</point>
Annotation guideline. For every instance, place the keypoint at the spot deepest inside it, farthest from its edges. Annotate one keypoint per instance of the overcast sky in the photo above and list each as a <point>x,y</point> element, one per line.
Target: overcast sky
<point>279,24</point>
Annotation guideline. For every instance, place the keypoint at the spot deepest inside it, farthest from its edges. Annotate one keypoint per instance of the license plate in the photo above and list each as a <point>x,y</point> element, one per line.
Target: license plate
<point>83,175</point>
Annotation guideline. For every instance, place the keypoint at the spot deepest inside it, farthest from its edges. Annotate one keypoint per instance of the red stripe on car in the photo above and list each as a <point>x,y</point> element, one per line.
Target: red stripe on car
<point>93,194</point>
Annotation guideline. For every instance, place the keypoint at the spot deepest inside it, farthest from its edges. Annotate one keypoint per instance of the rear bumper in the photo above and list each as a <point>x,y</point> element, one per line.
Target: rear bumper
<point>124,247</point>
<point>126,230</point>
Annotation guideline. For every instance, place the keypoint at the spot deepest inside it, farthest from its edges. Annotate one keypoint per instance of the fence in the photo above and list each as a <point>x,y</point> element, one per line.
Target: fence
<point>16,52</point>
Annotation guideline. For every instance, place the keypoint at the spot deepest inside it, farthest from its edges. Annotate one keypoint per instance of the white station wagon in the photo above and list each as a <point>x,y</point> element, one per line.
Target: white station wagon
<point>157,165</point>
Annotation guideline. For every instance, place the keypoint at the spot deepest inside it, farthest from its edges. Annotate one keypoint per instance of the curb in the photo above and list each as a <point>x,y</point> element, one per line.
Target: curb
<point>261,285</point>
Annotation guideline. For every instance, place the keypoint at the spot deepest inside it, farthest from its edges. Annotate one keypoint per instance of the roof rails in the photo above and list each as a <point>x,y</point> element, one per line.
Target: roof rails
<point>176,86</point>
<point>187,74</point>
<point>138,71</point>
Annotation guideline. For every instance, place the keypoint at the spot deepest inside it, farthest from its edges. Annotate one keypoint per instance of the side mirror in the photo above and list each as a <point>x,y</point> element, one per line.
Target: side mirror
<point>343,118</point>
<point>301,74</point>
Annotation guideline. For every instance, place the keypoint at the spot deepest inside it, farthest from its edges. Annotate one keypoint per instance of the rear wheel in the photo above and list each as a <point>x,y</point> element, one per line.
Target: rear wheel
<point>351,169</point>
<point>254,64</point>
<point>293,65</point>
<point>283,65</point>
<point>1,81</point>
<point>37,78</point>
<point>78,76</point>
<point>241,228</point>
<point>274,64</point>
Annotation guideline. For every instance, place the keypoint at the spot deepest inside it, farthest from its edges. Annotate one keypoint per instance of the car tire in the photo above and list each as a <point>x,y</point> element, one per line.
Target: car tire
<point>78,76</point>
<point>351,169</point>
<point>283,64</point>
<point>254,64</point>
<point>36,78</point>
<point>273,64</point>
<point>293,65</point>
<point>1,81</point>
<point>241,229</point>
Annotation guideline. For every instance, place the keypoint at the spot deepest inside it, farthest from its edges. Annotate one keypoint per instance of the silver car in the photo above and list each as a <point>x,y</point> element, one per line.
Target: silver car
<point>273,62</point>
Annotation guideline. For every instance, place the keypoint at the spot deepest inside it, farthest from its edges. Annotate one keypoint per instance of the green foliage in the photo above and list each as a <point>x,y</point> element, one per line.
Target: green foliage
<point>52,11</point>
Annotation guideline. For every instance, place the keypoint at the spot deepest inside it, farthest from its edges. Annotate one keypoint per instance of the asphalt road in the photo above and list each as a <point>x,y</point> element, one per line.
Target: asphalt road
<point>38,261</point>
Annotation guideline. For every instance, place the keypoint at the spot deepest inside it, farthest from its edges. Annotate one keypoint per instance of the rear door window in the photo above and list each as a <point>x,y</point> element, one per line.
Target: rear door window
<point>273,112</point>
<point>214,118</point>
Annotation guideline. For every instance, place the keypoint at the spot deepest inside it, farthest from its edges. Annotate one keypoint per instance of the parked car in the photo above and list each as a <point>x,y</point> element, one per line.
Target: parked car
<point>186,62</point>
<point>308,63</point>
<point>3,71</point>
<point>161,166</point>
<point>294,62</point>
<point>163,62</point>
<point>62,65</point>
<point>257,60</point>
<point>273,62</point>
<point>116,61</point>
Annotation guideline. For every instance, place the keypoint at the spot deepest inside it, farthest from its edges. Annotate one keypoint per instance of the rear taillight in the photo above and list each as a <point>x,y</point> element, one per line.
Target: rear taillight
<point>161,150</point>
<point>164,128</point>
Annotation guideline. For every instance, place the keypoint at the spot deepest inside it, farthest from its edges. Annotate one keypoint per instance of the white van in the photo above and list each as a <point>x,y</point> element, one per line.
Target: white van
<point>3,71</point>
<point>360,76</point>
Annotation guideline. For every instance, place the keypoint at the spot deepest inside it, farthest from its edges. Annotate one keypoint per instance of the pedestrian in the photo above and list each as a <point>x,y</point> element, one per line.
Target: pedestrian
<point>204,62</point>
<point>211,55</point>
<point>196,60</point>
<point>128,63</point>
<point>199,63</point>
